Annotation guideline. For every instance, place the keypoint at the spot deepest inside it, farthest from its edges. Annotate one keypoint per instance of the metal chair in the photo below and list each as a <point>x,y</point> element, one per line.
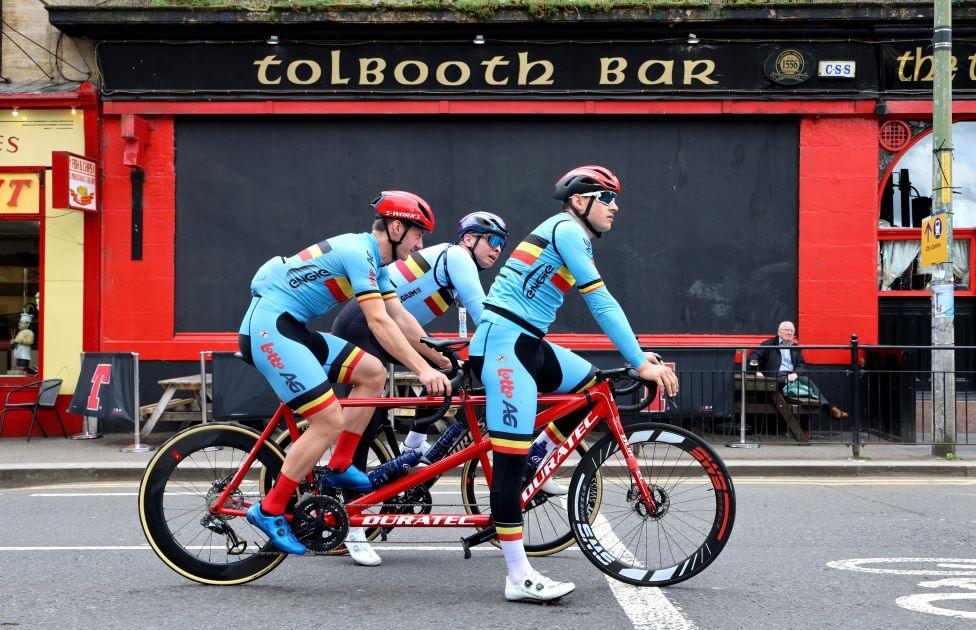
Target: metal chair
<point>47,396</point>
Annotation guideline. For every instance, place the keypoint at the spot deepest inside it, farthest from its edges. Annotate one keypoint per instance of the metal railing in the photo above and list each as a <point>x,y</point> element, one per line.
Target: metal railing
<point>881,394</point>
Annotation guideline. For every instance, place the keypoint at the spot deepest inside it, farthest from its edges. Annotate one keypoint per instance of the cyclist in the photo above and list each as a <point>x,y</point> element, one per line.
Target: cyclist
<point>515,363</point>
<point>301,365</point>
<point>427,282</point>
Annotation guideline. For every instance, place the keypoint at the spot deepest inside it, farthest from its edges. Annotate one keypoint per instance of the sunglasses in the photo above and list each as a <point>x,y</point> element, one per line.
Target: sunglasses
<point>606,197</point>
<point>495,241</point>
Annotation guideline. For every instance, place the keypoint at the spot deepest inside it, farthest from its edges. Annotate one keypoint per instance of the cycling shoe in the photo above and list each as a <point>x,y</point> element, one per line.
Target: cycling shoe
<point>535,587</point>
<point>350,479</point>
<point>277,530</point>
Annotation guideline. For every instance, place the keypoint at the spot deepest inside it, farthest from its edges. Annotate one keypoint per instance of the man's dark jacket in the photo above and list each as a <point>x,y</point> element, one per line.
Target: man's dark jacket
<point>769,358</point>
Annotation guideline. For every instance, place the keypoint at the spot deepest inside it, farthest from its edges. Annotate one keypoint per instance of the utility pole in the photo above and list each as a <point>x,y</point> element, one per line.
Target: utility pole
<point>943,285</point>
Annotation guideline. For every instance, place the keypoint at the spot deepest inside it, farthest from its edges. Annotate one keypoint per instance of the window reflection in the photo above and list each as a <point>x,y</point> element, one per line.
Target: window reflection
<point>907,195</point>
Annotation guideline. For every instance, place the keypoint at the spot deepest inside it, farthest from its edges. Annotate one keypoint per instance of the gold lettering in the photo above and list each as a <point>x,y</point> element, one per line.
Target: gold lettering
<point>401,77</point>
<point>667,72</point>
<point>612,70</point>
<point>441,73</point>
<point>691,75</point>
<point>954,65</point>
<point>371,70</point>
<point>904,59</point>
<point>490,66</point>
<point>920,61</point>
<point>336,74</point>
<point>262,65</point>
<point>972,67</point>
<point>314,75</point>
<point>525,66</point>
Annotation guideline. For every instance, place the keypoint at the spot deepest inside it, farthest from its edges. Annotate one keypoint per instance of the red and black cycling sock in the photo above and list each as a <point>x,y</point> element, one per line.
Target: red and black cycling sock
<point>344,450</point>
<point>276,500</point>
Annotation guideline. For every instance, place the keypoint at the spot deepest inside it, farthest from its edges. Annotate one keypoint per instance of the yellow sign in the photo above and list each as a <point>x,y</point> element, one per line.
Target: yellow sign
<point>935,230</point>
<point>20,193</point>
<point>28,138</point>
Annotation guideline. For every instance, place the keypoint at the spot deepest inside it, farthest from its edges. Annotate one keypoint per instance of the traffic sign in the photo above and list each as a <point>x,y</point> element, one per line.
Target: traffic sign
<point>935,248</point>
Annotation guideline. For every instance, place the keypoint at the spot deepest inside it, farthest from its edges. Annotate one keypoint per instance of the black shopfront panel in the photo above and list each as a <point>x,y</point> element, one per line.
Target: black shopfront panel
<point>705,242</point>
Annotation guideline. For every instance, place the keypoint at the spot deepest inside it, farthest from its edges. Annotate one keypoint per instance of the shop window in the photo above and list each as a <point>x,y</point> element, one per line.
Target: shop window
<point>899,267</point>
<point>19,296</point>
<point>907,194</point>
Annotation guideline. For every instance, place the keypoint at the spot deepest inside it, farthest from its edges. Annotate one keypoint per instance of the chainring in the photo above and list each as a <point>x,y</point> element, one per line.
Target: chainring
<point>320,522</point>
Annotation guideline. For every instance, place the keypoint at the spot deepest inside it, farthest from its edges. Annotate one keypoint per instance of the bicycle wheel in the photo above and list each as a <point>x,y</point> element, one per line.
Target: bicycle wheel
<point>184,478</point>
<point>545,524</point>
<point>378,454</point>
<point>696,507</point>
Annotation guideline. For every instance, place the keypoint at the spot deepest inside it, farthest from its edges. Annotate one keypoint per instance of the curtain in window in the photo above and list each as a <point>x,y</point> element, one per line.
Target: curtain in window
<point>960,262</point>
<point>896,257</point>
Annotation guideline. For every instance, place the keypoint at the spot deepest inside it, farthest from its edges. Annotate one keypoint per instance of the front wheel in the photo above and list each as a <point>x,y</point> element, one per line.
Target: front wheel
<point>683,534</point>
<point>185,477</point>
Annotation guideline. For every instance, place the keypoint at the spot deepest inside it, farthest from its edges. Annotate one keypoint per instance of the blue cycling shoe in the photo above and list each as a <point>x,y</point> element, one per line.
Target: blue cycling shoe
<point>277,529</point>
<point>350,479</point>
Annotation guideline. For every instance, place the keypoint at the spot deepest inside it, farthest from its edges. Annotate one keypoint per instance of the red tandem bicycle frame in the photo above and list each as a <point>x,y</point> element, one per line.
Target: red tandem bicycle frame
<point>560,404</point>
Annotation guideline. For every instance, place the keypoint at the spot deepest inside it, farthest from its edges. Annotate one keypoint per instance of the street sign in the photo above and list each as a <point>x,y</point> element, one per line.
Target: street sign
<point>935,249</point>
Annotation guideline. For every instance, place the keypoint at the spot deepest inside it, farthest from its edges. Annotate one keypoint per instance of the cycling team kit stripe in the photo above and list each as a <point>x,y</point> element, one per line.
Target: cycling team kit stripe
<point>339,287</point>
<point>513,447</point>
<point>313,406</point>
<point>508,533</point>
<point>345,372</point>
<point>366,296</point>
<point>439,302</point>
<point>591,286</point>
<point>319,249</point>
<point>563,279</point>
<point>530,249</point>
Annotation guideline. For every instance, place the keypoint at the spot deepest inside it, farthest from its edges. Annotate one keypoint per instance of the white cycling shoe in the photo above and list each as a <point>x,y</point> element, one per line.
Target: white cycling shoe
<point>554,488</point>
<point>360,550</point>
<point>536,587</point>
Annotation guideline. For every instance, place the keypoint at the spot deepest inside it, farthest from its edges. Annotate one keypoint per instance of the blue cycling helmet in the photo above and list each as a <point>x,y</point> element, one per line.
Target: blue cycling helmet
<point>482,223</point>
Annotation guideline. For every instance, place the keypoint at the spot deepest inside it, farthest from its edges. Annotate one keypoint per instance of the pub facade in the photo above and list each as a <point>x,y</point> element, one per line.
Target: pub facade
<point>773,162</point>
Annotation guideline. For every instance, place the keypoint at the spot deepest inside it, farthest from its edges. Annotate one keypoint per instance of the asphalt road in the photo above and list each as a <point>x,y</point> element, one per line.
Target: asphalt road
<point>836,553</point>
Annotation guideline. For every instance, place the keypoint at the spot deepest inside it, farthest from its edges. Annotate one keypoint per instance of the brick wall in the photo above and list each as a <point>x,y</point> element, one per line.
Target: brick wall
<point>27,20</point>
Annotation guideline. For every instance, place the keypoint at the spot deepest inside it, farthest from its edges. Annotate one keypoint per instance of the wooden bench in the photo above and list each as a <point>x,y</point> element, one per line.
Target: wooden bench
<point>159,411</point>
<point>788,409</point>
<point>148,410</point>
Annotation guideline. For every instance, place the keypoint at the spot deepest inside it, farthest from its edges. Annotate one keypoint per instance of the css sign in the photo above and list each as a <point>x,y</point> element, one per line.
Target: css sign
<point>836,69</point>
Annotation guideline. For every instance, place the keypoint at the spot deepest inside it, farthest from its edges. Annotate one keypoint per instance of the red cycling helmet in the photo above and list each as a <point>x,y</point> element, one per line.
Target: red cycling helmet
<point>584,179</point>
<point>406,207</point>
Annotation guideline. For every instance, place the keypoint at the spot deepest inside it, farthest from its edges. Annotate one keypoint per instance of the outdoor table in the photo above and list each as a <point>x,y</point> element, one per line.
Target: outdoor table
<point>170,387</point>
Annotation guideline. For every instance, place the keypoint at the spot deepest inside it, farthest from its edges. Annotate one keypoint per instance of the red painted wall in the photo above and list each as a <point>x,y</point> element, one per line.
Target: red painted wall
<point>837,225</point>
<point>838,233</point>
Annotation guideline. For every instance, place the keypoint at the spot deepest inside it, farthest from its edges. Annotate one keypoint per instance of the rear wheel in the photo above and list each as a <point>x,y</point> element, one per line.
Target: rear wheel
<point>184,479</point>
<point>688,528</point>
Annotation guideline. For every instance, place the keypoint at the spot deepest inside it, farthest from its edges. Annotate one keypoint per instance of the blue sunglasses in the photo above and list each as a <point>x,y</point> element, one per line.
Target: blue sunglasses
<point>495,241</point>
<point>606,197</point>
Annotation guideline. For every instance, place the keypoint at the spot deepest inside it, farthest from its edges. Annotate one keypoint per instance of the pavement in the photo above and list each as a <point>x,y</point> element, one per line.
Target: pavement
<point>57,460</point>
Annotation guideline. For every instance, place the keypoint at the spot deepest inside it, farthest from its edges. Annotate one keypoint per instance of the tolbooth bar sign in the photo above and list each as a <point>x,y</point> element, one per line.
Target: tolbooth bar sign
<point>614,69</point>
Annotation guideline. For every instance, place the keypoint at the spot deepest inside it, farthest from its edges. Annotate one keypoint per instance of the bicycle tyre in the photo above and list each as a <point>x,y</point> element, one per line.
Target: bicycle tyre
<point>534,546</point>
<point>669,457</point>
<point>171,466</point>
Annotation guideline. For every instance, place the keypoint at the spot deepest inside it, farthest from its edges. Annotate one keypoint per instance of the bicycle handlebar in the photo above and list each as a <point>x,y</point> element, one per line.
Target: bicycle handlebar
<point>448,398</point>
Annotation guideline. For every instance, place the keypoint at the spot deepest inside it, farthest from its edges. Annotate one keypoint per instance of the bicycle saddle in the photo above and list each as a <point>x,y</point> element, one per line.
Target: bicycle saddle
<point>445,345</point>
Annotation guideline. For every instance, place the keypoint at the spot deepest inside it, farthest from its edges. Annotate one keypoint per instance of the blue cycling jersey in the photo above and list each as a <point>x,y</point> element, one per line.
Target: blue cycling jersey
<point>429,281</point>
<point>534,280</point>
<point>314,280</point>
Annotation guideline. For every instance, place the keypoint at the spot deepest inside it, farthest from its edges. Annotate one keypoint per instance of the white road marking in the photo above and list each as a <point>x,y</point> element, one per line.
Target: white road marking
<point>488,549</point>
<point>857,564</point>
<point>646,606</point>
<point>923,602</point>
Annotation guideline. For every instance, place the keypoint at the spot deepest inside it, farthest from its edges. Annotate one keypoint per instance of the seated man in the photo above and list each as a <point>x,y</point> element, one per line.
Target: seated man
<point>787,366</point>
